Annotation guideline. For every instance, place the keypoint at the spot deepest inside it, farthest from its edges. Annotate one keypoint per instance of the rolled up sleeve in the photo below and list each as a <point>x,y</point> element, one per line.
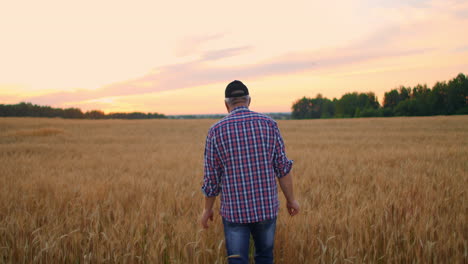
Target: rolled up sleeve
<point>212,168</point>
<point>281,164</point>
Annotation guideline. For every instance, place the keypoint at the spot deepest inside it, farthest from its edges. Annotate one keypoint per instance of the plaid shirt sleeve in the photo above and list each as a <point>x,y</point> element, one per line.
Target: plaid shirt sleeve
<point>281,164</point>
<point>213,170</point>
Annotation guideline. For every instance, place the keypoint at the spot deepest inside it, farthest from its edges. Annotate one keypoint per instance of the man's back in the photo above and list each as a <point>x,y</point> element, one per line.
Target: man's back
<point>244,154</point>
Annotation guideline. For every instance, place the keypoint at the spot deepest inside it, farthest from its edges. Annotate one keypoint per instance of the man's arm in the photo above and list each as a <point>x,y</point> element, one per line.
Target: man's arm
<point>211,179</point>
<point>208,212</point>
<point>282,166</point>
<point>286,184</point>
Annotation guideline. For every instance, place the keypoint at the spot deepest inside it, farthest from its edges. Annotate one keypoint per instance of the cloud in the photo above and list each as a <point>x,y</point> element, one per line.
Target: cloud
<point>198,72</point>
<point>462,12</point>
<point>398,3</point>
<point>461,49</point>
<point>381,38</point>
<point>224,53</point>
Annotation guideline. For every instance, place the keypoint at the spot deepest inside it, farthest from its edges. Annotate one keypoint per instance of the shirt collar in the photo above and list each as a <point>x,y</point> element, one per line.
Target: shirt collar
<point>239,109</point>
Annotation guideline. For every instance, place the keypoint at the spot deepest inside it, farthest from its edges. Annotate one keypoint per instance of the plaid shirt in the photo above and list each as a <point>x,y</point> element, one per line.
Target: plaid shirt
<point>244,153</point>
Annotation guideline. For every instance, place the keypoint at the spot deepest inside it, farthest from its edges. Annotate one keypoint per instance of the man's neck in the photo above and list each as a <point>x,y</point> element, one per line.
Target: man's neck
<point>237,106</point>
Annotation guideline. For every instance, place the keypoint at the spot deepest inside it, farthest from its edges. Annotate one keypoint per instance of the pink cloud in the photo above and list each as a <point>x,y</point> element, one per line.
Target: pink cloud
<point>224,53</point>
<point>196,73</point>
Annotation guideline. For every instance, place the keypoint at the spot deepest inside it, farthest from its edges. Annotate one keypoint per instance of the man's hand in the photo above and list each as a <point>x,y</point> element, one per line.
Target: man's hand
<point>293,207</point>
<point>286,185</point>
<point>207,215</point>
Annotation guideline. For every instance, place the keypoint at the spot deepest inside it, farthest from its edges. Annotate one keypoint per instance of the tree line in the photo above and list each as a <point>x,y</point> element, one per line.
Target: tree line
<point>445,98</point>
<point>31,110</point>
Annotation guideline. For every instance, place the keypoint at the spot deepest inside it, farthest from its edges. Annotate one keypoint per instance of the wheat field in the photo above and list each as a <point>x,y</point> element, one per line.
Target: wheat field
<point>377,190</point>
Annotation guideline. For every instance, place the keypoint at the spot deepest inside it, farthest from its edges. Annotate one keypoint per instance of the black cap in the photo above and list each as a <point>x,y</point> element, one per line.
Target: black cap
<point>236,89</point>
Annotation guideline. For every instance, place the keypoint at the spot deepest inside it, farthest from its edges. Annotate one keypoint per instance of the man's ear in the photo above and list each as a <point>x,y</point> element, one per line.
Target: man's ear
<point>250,100</point>
<point>227,106</point>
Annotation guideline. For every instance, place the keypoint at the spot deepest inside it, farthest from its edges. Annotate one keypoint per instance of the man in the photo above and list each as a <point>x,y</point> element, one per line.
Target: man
<point>244,154</point>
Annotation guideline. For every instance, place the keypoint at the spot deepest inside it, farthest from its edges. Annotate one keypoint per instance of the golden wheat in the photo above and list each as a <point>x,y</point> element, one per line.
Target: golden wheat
<point>389,190</point>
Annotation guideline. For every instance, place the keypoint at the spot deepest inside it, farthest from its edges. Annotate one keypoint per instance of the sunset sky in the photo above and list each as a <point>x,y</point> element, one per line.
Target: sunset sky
<point>176,57</point>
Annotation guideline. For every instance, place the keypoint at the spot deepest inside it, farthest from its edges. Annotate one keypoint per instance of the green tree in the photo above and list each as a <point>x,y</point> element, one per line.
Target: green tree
<point>95,114</point>
<point>72,113</point>
<point>438,99</point>
<point>457,94</point>
<point>404,93</point>
<point>302,108</point>
<point>391,99</point>
<point>347,105</point>
<point>328,109</point>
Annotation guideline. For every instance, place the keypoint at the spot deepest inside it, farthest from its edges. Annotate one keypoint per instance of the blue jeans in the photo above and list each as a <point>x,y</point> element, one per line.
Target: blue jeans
<point>238,238</point>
